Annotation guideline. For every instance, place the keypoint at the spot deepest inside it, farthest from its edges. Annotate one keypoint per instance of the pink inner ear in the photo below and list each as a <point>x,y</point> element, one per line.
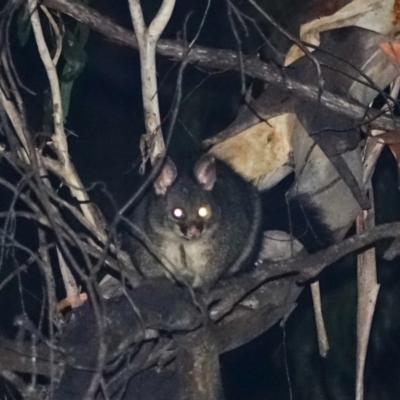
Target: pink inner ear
<point>166,177</point>
<point>205,171</point>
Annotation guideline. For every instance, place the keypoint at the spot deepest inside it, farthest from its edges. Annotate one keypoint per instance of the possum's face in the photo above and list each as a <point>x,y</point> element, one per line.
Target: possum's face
<point>186,210</point>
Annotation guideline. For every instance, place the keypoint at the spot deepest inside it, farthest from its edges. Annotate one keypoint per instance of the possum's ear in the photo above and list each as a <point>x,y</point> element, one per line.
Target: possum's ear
<point>205,172</point>
<point>166,177</point>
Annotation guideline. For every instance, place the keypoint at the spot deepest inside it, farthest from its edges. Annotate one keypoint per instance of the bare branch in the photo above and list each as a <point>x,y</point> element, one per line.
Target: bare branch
<point>59,137</point>
<point>160,21</point>
<point>56,32</point>
<point>17,123</point>
<point>58,118</point>
<point>323,343</point>
<point>224,60</point>
<point>234,290</point>
<point>147,39</point>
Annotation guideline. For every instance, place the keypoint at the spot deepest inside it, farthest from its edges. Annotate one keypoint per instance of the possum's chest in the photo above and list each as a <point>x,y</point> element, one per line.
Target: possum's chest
<point>190,260</point>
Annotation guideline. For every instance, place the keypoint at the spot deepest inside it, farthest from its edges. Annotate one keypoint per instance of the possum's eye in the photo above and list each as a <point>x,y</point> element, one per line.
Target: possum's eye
<point>178,213</point>
<point>204,212</point>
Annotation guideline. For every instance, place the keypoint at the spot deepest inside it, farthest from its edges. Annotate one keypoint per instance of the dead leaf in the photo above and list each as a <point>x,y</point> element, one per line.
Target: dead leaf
<point>392,50</point>
<point>261,150</point>
<point>72,301</point>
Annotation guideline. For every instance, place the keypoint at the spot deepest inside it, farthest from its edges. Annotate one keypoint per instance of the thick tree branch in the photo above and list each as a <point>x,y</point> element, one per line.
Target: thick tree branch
<point>232,291</point>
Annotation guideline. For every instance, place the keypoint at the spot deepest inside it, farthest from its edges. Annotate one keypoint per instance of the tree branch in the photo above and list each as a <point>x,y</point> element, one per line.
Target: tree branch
<point>147,39</point>
<point>232,291</point>
<point>59,138</point>
<point>226,60</point>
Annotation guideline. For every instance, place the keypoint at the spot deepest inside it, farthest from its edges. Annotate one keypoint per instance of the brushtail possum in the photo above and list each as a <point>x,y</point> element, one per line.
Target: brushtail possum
<point>199,225</point>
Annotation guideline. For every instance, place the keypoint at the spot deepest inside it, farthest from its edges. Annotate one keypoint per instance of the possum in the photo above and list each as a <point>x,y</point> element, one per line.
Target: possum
<point>199,224</point>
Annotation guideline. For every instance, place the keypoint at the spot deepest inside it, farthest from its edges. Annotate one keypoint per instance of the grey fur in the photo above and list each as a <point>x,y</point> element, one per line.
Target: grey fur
<point>195,250</point>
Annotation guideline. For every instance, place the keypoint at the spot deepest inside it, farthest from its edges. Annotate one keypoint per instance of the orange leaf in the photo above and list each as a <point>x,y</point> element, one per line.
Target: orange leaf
<point>72,301</point>
<point>392,50</point>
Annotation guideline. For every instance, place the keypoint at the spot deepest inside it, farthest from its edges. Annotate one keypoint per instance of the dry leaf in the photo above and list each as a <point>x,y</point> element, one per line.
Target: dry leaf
<point>381,16</point>
<point>260,151</point>
<point>392,50</point>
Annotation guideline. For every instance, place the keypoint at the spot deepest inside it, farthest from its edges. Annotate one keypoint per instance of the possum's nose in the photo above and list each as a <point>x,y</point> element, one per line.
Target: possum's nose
<point>192,231</point>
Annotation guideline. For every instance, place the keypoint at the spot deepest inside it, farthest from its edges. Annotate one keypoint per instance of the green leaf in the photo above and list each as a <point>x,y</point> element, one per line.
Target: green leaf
<point>24,26</point>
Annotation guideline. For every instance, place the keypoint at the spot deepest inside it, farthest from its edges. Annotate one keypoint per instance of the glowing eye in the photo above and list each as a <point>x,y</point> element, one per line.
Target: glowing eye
<point>203,212</point>
<point>178,213</point>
